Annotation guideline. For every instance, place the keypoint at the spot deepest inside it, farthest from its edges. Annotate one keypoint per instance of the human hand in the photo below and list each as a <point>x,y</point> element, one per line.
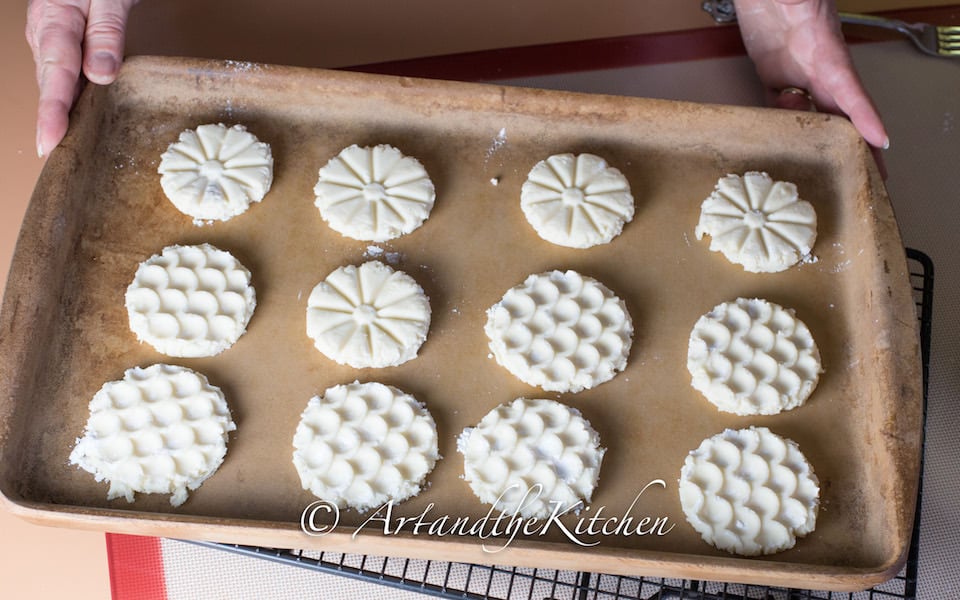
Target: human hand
<point>798,44</point>
<point>67,37</point>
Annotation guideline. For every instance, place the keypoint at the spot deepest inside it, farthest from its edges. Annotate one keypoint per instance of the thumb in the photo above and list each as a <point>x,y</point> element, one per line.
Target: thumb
<point>103,39</point>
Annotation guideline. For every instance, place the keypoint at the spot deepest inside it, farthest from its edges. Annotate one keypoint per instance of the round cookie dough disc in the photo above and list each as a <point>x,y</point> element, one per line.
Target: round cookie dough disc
<point>749,492</point>
<point>576,201</point>
<point>214,172</point>
<point>190,301</point>
<point>529,456</point>
<point>364,444</point>
<point>753,357</point>
<point>368,316</point>
<point>560,331</point>
<point>374,193</point>
<point>757,222</point>
<point>159,430</point>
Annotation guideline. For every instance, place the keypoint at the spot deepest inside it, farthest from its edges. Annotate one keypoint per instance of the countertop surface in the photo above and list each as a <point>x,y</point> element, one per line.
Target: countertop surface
<point>918,96</point>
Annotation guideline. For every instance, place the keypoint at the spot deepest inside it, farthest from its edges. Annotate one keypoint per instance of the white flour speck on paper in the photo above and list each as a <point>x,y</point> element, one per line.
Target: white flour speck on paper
<point>242,66</point>
<point>373,252</point>
<point>124,160</point>
<point>498,142</point>
<point>842,266</point>
<point>392,258</point>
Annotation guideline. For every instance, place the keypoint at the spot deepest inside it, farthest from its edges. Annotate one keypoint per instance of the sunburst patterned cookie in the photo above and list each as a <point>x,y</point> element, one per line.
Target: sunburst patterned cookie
<point>362,444</point>
<point>749,492</point>
<point>753,357</point>
<point>190,301</point>
<point>576,201</point>
<point>532,456</point>
<point>560,331</point>
<point>374,193</point>
<point>758,223</point>
<point>368,316</point>
<point>159,430</point>
<point>214,172</point>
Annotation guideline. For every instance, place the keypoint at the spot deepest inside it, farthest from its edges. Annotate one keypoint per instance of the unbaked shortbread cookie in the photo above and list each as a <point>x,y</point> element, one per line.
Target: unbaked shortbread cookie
<point>560,331</point>
<point>753,357</point>
<point>374,193</point>
<point>190,301</point>
<point>758,223</point>
<point>214,172</point>
<point>363,444</point>
<point>159,430</point>
<point>368,316</point>
<point>749,492</point>
<point>576,201</point>
<point>532,457</point>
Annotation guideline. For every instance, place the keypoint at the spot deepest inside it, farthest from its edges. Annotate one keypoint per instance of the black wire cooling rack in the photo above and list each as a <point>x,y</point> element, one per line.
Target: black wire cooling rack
<point>476,582</point>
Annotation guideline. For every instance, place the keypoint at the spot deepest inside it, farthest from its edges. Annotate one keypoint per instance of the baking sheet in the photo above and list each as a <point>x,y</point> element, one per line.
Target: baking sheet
<point>98,211</point>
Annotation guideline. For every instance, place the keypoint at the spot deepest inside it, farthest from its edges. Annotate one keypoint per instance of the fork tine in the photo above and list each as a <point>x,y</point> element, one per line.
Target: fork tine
<point>948,41</point>
<point>952,42</point>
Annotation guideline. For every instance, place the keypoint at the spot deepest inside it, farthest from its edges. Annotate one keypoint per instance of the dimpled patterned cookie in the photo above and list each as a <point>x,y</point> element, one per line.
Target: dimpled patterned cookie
<point>560,331</point>
<point>368,316</point>
<point>159,430</point>
<point>190,301</point>
<point>363,444</point>
<point>532,457</point>
<point>749,492</point>
<point>757,222</point>
<point>576,201</point>
<point>374,193</point>
<point>753,357</point>
<point>214,172</point>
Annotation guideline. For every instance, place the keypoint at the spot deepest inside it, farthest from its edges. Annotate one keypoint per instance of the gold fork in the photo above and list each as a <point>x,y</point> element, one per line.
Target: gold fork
<point>936,40</point>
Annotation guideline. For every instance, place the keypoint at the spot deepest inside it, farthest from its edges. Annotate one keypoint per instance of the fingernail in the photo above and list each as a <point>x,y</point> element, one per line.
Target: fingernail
<point>886,144</point>
<point>103,63</point>
<point>39,147</point>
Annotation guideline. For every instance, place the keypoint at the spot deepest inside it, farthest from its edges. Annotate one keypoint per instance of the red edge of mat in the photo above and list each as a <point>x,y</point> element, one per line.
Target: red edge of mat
<point>634,50</point>
<point>136,567</point>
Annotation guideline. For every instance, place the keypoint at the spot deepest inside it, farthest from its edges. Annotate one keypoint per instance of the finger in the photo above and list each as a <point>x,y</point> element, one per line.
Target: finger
<point>34,12</point>
<point>58,36</point>
<point>839,81</point>
<point>103,41</point>
<point>853,101</point>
